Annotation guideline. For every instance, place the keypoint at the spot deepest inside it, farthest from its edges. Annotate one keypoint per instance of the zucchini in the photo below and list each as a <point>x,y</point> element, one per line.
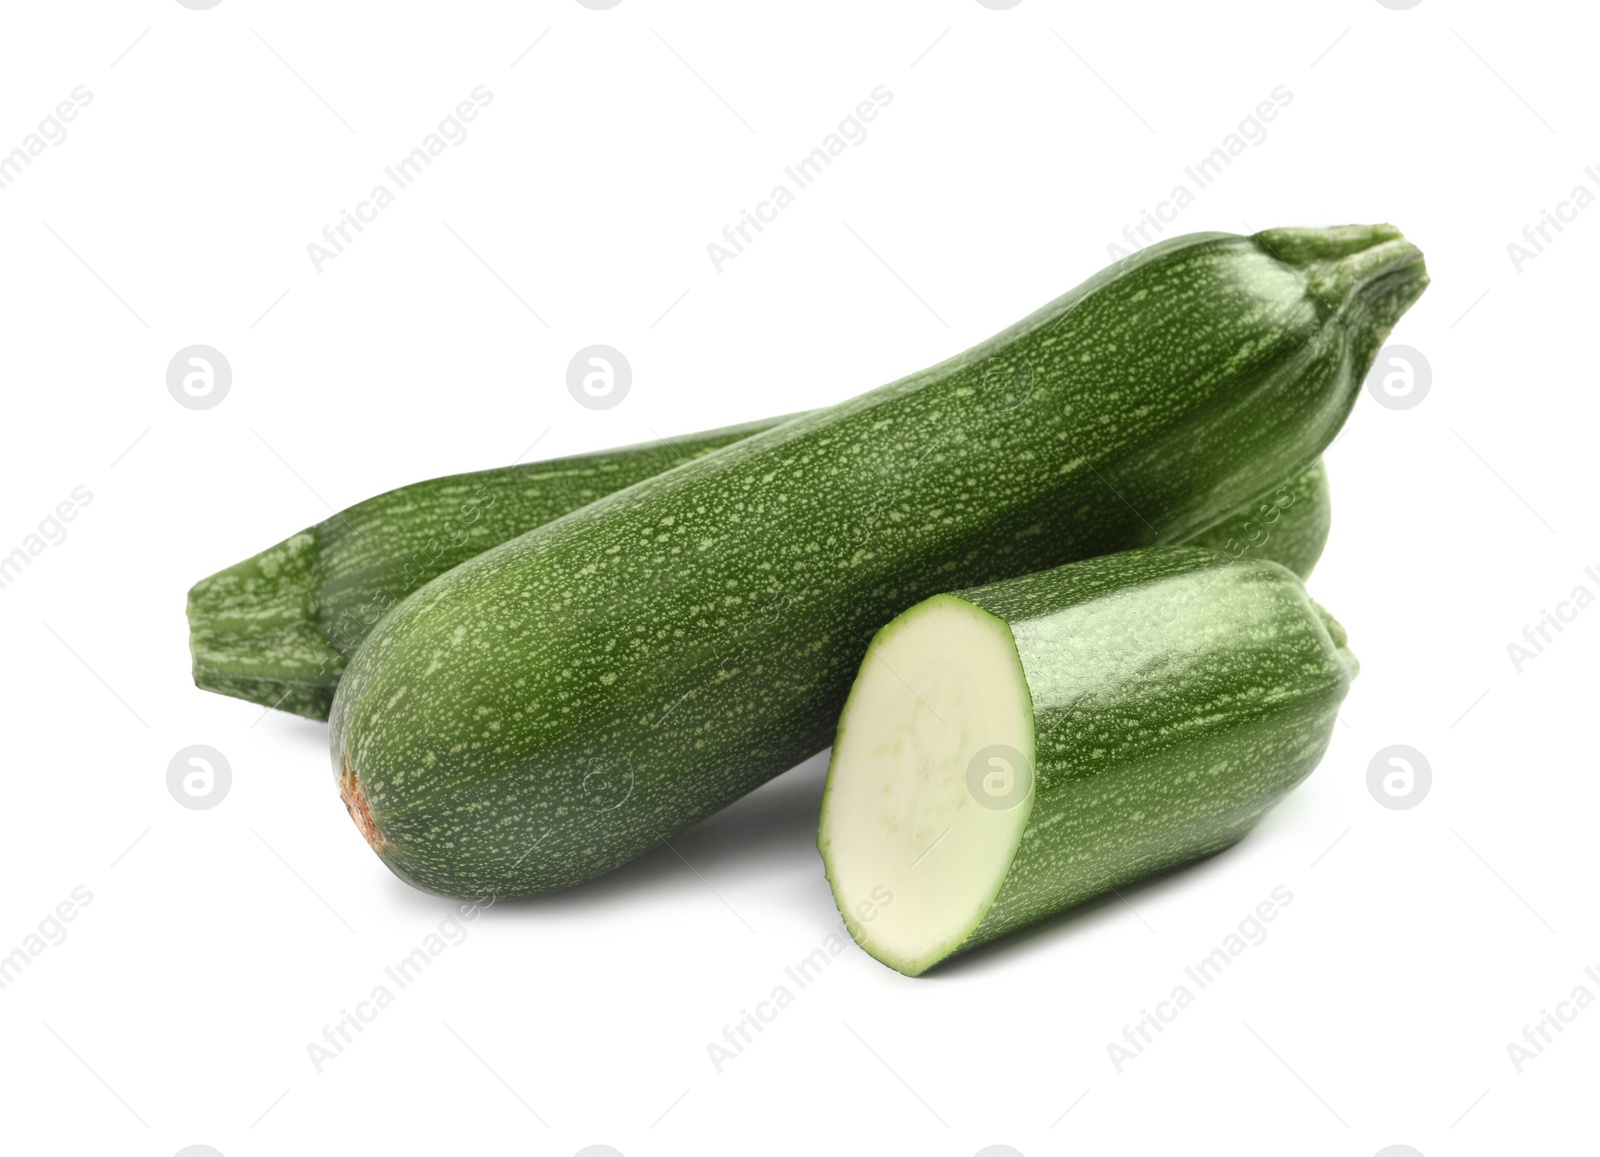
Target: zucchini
<point>569,699</point>
<point>1011,751</point>
<point>279,627</point>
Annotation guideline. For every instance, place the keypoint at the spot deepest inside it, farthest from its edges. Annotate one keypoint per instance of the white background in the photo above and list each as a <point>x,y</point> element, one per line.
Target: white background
<point>1019,143</point>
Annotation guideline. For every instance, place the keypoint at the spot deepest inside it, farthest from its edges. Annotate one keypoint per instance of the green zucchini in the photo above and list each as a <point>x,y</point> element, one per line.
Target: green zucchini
<point>565,701</point>
<point>1011,751</point>
<point>279,627</point>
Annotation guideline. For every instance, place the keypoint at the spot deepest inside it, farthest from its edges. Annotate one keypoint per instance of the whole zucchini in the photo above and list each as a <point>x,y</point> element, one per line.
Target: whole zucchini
<point>1011,751</point>
<point>278,628</point>
<point>569,699</point>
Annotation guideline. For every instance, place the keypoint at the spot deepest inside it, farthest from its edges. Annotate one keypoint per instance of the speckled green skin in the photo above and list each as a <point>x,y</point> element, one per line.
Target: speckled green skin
<point>569,699</point>
<point>278,628</point>
<point>1177,697</point>
<point>1288,525</point>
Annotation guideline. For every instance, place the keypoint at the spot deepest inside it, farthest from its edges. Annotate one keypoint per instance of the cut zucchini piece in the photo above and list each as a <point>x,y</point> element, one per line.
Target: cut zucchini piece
<point>1013,750</point>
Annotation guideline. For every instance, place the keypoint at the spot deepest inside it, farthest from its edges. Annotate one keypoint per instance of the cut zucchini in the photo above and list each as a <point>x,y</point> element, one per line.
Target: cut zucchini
<point>1013,750</point>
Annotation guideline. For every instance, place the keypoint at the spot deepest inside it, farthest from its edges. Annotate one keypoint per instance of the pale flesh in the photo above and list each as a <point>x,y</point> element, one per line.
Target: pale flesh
<point>917,844</point>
